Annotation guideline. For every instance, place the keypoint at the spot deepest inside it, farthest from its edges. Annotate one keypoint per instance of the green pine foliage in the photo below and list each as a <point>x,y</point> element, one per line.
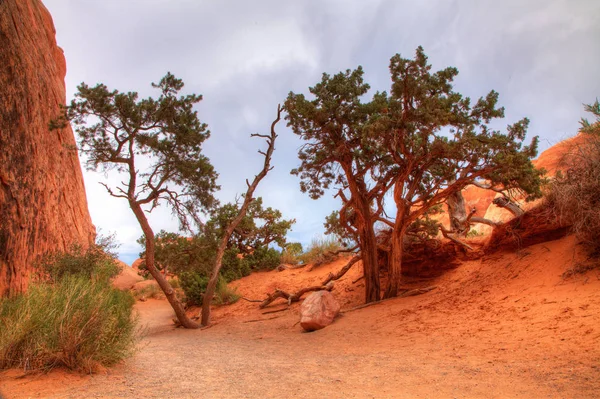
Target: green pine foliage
<point>409,149</point>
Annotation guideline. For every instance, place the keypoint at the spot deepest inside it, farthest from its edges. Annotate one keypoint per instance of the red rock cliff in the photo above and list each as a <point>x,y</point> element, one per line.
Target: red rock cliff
<point>42,198</point>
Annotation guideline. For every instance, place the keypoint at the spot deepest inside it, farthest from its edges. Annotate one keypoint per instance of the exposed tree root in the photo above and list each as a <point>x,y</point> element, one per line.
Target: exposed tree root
<point>358,279</point>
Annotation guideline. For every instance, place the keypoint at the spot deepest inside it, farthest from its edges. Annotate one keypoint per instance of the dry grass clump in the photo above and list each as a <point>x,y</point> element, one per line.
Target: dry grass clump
<point>575,194</point>
<point>321,250</point>
<point>71,318</point>
<point>75,323</point>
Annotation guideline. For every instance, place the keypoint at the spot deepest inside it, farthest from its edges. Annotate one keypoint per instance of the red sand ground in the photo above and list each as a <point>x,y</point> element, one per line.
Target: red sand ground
<point>505,326</point>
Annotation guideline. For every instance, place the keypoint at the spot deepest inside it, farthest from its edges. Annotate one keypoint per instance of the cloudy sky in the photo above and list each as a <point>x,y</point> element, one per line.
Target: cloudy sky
<point>245,56</point>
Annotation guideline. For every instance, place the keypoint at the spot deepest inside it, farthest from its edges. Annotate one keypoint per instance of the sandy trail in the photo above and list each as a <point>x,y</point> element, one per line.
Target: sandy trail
<point>507,326</point>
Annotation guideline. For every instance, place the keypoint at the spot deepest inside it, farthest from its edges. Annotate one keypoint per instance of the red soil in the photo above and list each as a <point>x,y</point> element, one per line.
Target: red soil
<point>507,325</point>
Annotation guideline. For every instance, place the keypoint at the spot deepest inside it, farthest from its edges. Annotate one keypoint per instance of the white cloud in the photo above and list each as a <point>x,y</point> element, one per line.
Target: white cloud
<point>244,57</point>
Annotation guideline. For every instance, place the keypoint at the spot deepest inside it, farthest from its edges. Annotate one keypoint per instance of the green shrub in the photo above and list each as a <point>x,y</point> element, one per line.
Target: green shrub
<point>75,322</point>
<point>152,291</point>
<point>194,285</point>
<point>232,267</point>
<point>225,295</point>
<point>321,250</point>
<point>291,253</point>
<point>263,258</point>
<point>93,263</point>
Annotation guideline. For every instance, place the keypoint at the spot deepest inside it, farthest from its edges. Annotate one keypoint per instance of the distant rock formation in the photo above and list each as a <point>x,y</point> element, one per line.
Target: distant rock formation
<point>42,198</point>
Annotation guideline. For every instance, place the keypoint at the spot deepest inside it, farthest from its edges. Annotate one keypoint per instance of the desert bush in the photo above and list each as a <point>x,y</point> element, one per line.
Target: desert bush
<point>93,263</point>
<point>151,291</point>
<point>194,281</point>
<point>233,267</point>
<point>263,258</point>
<point>575,194</point>
<point>225,295</point>
<point>194,286</point>
<point>321,250</point>
<point>291,253</point>
<point>71,316</point>
<point>75,322</point>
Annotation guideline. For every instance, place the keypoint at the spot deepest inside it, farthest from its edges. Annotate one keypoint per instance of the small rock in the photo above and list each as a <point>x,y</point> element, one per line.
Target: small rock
<point>318,310</point>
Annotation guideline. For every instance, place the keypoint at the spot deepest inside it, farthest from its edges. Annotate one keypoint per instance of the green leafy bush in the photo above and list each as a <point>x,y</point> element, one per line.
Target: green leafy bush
<point>234,267</point>
<point>75,322</point>
<point>263,258</point>
<point>194,286</point>
<point>94,263</point>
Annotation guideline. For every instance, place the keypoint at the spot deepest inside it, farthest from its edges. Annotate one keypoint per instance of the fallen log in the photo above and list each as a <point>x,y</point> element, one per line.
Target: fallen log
<point>294,297</point>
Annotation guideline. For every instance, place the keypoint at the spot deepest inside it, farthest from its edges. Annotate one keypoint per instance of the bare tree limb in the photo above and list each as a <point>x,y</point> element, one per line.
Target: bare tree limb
<point>448,234</point>
<point>294,297</point>
<point>342,271</point>
<point>212,282</point>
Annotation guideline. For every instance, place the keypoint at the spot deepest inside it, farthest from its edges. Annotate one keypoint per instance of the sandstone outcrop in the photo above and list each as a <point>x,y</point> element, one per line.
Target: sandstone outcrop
<point>127,277</point>
<point>43,206</point>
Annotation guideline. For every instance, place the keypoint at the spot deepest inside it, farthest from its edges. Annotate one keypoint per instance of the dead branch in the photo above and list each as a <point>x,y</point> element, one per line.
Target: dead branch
<point>294,297</point>
<point>506,203</point>
<point>342,271</point>
<point>358,279</point>
<point>448,234</point>
<point>251,300</point>
<point>268,318</point>
<point>248,198</point>
<point>477,219</point>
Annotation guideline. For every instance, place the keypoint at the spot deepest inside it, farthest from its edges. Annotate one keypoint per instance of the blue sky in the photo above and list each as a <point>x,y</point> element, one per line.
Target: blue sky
<point>244,57</point>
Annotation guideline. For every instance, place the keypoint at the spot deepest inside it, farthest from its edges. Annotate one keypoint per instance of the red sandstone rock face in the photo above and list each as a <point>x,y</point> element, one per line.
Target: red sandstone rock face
<point>42,198</point>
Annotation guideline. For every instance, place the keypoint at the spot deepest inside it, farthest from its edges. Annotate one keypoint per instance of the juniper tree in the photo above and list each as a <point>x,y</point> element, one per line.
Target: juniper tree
<point>156,145</point>
<point>417,145</point>
<point>338,154</point>
<point>258,228</point>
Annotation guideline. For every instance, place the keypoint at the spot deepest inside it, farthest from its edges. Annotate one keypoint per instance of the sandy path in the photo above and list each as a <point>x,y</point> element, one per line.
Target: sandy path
<point>483,334</point>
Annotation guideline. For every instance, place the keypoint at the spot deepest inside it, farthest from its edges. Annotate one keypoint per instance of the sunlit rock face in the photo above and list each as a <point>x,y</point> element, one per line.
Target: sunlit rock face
<point>42,198</point>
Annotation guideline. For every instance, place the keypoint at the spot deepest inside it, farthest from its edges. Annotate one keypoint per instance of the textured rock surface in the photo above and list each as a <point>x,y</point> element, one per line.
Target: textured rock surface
<point>42,198</point>
<point>318,310</point>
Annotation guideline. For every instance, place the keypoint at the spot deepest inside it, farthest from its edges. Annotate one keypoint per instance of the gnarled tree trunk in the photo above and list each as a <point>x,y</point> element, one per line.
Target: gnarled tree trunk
<point>43,207</point>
